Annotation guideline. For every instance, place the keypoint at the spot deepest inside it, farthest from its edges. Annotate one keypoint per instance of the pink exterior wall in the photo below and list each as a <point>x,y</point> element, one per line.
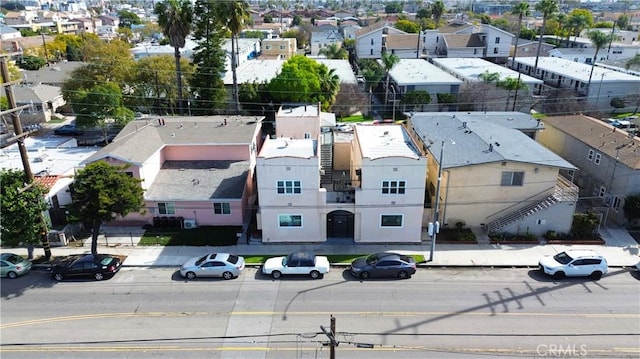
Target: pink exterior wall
<point>206,152</point>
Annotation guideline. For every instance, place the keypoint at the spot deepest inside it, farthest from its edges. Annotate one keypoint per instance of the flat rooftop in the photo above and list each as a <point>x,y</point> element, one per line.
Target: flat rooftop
<point>470,69</point>
<point>380,141</point>
<point>421,72</point>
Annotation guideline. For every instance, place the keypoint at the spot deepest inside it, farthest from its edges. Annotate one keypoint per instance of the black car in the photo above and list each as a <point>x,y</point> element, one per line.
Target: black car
<point>68,130</point>
<point>98,267</point>
<point>385,264</point>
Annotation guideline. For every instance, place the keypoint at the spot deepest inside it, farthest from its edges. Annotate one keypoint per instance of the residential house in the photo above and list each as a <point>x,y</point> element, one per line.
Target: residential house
<point>53,161</point>
<point>88,25</point>
<point>324,36</point>
<point>108,20</point>
<point>53,75</point>
<point>605,84</point>
<point>493,175</point>
<point>583,55</point>
<point>420,75</point>
<point>42,102</point>
<point>608,160</point>
<point>371,40</point>
<point>527,48</point>
<point>194,170</point>
<point>278,49</point>
<point>470,69</point>
<point>9,39</point>
<point>368,190</point>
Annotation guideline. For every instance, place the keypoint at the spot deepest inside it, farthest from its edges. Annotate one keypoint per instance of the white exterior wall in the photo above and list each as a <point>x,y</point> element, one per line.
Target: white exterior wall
<point>504,45</point>
<point>310,203</point>
<point>365,49</point>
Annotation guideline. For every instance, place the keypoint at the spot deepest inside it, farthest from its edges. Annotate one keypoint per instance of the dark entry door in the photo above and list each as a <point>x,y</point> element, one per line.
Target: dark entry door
<point>340,224</point>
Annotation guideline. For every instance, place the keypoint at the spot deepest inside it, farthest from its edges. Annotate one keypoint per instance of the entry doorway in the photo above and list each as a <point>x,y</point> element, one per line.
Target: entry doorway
<point>340,224</point>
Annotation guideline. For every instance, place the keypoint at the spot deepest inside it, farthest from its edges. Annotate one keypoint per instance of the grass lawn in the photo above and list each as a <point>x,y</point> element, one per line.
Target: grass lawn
<point>201,236</point>
<point>350,119</point>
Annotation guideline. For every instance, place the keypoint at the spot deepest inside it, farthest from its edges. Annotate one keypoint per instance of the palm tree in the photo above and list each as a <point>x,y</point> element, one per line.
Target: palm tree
<point>334,51</point>
<point>437,9</point>
<point>175,17</point>
<point>522,10</point>
<point>234,15</point>
<point>599,40</point>
<point>389,60</point>
<point>633,62</point>
<point>547,8</point>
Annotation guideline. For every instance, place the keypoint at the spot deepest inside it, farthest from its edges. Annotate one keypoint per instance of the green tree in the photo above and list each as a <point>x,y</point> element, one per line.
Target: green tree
<point>599,40</point>
<point>415,98</point>
<point>20,210</point>
<point>254,97</point>
<point>407,26</point>
<point>31,63</point>
<point>234,16</point>
<point>623,22</point>
<point>102,192</point>
<point>446,99</point>
<point>99,105</point>
<point>393,7</point>
<point>521,10</point>
<point>633,62</point>
<point>206,85</point>
<point>631,207</point>
<point>389,60</point>
<point>489,77</point>
<point>176,18</point>
<point>267,19</point>
<point>437,10</point>
<point>302,79</point>
<point>548,8</point>
<point>510,84</point>
<point>128,18</point>
<point>372,72</point>
<point>423,13</point>
<point>297,20</point>
<point>334,51</point>
<point>579,19</point>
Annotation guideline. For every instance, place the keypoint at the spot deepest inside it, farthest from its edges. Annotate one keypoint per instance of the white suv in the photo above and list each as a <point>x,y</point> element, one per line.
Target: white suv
<point>575,263</point>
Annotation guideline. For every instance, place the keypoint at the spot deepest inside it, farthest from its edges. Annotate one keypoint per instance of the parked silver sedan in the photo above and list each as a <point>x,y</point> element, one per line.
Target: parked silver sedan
<point>223,265</point>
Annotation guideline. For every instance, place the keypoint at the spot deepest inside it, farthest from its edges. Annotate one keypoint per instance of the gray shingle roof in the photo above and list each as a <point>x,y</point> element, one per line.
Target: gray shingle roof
<point>477,141</point>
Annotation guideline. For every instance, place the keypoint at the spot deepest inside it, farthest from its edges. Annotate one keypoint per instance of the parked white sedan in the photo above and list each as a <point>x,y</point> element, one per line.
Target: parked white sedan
<point>300,263</point>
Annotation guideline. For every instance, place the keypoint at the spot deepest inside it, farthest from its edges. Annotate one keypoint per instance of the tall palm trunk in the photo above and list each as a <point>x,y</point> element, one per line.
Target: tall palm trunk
<point>234,60</point>
<point>179,80</point>
<point>544,28</point>
<point>515,48</point>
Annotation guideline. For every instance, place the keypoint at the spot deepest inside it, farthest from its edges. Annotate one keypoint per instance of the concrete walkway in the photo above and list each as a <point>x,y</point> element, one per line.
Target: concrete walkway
<point>620,250</point>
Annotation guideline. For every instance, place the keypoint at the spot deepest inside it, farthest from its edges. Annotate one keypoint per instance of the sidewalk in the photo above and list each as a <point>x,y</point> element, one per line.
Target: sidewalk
<point>620,250</point>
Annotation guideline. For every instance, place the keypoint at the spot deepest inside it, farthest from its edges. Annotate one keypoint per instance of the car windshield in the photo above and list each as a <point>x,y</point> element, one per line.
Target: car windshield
<point>562,258</point>
<point>199,261</point>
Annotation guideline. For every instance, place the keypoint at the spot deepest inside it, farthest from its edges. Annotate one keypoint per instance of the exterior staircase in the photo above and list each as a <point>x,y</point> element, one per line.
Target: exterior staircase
<point>564,191</point>
<point>326,163</point>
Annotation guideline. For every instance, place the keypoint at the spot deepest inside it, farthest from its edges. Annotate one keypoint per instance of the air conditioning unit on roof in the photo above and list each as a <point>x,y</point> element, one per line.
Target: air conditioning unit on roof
<point>190,224</point>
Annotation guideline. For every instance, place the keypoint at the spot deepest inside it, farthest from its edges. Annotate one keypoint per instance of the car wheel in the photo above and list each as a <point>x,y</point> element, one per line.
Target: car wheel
<point>227,275</point>
<point>58,276</point>
<point>98,276</point>
<point>365,275</point>
<point>558,275</point>
<point>314,274</point>
<point>403,274</point>
<point>12,275</point>
<point>276,274</point>
<point>596,275</point>
<point>190,275</point>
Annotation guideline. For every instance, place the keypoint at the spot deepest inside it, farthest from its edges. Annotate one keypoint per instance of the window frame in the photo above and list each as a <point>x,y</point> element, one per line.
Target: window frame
<point>400,187</point>
<point>224,208</point>
<point>289,187</point>
<point>513,181</point>
<point>169,208</point>
<point>590,155</point>
<point>387,224</point>
<point>292,221</point>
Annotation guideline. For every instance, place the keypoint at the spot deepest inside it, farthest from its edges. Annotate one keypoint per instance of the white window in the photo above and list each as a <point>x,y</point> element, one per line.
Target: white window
<point>497,40</point>
<point>590,155</point>
<point>602,192</point>
<point>268,47</point>
<point>391,220</point>
<point>598,158</point>
<point>221,208</point>
<point>289,187</point>
<point>616,203</point>
<point>166,208</point>
<point>289,220</point>
<point>512,178</point>
<point>393,187</point>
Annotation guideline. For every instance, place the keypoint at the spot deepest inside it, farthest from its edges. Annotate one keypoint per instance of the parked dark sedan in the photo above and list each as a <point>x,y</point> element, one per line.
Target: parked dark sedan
<point>97,267</point>
<point>385,264</point>
<point>68,130</point>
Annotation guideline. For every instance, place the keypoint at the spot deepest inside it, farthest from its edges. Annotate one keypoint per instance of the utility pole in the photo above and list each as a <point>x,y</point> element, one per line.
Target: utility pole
<point>331,334</point>
<point>17,127</point>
